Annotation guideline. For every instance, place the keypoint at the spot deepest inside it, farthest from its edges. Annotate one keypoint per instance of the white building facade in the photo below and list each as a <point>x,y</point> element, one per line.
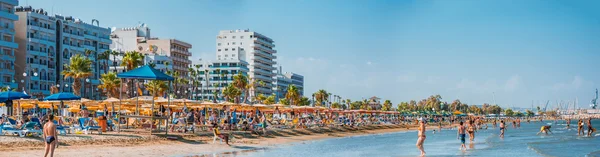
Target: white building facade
<point>254,48</point>
<point>215,76</point>
<point>46,44</point>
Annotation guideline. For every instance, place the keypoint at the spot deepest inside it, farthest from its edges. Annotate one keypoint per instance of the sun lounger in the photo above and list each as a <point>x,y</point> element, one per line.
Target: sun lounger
<point>29,128</point>
<point>86,128</point>
<point>61,129</point>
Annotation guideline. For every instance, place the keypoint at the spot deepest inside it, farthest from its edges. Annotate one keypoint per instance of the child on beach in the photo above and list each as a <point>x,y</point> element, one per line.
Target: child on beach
<point>461,135</point>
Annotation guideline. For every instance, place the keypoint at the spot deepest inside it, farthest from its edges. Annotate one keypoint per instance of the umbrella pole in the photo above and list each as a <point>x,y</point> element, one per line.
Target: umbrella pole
<point>168,106</point>
<point>152,113</point>
<point>120,103</point>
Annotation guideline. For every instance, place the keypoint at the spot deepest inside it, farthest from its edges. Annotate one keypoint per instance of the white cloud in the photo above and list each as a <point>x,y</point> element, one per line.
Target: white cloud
<point>512,83</point>
<point>311,59</point>
<point>576,83</point>
<point>369,62</point>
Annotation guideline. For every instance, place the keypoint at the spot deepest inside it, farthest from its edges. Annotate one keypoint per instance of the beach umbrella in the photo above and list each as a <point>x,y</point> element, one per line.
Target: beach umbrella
<point>10,95</point>
<point>62,97</point>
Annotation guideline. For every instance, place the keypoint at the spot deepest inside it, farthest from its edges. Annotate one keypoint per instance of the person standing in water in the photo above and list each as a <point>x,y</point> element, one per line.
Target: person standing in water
<point>471,130</point>
<point>422,137</point>
<point>50,136</point>
<point>580,127</point>
<point>591,129</point>
<point>461,136</point>
<point>502,128</point>
<point>568,123</point>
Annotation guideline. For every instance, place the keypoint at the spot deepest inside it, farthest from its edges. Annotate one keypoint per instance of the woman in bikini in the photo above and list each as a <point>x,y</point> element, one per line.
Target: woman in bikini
<point>422,137</point>
<point>591,129</point>
<point>580,127</point>
<point>471,131</point>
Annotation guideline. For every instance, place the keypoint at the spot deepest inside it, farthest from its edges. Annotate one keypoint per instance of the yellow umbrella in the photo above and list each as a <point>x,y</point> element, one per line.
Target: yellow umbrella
<point>457,112</point>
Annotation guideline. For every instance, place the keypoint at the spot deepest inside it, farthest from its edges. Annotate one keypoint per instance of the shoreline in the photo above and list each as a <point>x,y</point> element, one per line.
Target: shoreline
<point>191,145</point>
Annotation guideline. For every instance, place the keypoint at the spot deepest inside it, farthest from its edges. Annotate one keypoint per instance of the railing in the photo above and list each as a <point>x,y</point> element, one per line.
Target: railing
<point>262,41</point>
<point>264,48</point>
<point>264,60</point>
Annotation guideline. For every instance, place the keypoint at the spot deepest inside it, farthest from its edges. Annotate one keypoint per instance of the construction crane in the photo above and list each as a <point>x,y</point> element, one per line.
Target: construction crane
<point>547,102</point>
<point>593,104</point>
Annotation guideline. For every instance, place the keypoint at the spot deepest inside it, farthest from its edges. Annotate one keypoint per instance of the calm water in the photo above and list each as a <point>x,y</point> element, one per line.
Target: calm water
<point>517,142</point>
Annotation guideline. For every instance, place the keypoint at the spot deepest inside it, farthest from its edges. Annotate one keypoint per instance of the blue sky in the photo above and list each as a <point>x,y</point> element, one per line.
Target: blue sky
<point>523,51</point>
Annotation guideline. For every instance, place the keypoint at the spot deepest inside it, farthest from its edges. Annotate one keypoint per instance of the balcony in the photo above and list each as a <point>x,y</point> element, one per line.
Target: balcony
<point>7,57</point>
<point>264,54</point>
<point>105,40</point>
<point>263,48</point>
<point>7,30</point>
<point>89,47</point>
<point>37,53</point>
<point>181,51</point>
<point>263,72</point>
<point>9,44</point>
<point>12,2</point>
<point>89,36</point>
<point>263,78</point>
<point>11,16</point>
<point>262,41</point>
<point>10,71</point>
<point>262,60</point>
<point>37,26</point>
<point>263,66</point>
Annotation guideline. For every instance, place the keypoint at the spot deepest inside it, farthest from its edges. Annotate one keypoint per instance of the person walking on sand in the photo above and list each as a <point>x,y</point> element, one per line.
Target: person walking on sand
<point>50,136</point>
<point>461,135</point>
<point>422,137</point>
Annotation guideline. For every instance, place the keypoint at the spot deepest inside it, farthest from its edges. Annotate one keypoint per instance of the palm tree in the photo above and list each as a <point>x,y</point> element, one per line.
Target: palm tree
<point>261,98</point>
<point>321,97</point>
<point>132,60</point>
<point>110,84</point>
<point>292,95</point>
<point>231,92</point>
<point>104,56</point>
<point>241,82</point>
<point>115,54</point>
<point>78,68</point>
<point>157,88</point>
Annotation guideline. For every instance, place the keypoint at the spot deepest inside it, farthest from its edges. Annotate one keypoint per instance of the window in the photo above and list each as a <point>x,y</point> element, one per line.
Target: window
<point>226,49</point>
<point>241,49</point>
<point>250,36</point>
<point>227,43</point>
<point>225,55</point>
<point>219,50</point>
<point>219,44</point>
<point>233,37</point>
<point>241,43</point>
<point>241,37</point>
<point>233,43</point>
<point>218,55</point>
<point>233,55</point>
<point>232,49</point>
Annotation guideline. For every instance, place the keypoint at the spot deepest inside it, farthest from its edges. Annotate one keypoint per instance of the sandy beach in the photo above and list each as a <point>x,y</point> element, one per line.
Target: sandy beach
<point>200,144</point>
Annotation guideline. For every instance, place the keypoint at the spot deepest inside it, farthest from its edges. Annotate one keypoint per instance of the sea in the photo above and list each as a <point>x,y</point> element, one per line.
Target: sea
<point>521,141</point>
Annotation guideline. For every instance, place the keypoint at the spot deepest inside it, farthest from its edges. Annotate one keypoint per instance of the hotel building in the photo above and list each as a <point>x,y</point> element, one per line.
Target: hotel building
<point>46,44</point>
<point>255,49</point>
<point>8,45</point>
<point>283,80</point>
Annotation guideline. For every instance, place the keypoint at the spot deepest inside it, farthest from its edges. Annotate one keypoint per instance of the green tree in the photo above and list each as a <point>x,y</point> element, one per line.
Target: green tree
<point>292,95</point>
<point>509,112</point>
<point>336,105</point>
<point>240,81</point>
<point>270,100</point>
<point>79,68</point>
<point>321,97</point>
<point>104,56</point>
<point>132,60</point>
<point>387,105</point>
<point>530,113</point>
<point>110,84</point>
<point>304,101</point>
<point>157,88</point>
<point>230,93</point>
<point>284,101</point>
<point>261,98</point>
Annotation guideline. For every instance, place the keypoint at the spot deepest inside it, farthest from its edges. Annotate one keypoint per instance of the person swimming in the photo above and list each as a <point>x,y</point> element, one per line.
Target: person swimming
<point>545,129</point>
<point>461,136</point>
<point>502,128</point>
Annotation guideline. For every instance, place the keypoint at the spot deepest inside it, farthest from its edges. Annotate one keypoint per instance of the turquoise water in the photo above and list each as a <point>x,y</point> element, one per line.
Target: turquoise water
<point>517,142</point>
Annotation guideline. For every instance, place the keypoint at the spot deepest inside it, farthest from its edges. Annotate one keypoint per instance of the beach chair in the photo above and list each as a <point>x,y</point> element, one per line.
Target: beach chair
<point>86,128</point>
<point>61,129</point>
<point>28,128</point>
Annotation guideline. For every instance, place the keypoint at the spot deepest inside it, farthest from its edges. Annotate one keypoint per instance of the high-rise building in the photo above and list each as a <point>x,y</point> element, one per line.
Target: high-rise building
<point>46,44</point>
<point>220,75</point>
<point>283,80</point>
<point>8,45</point>
<point>254,48</point>
<point>138,39</point>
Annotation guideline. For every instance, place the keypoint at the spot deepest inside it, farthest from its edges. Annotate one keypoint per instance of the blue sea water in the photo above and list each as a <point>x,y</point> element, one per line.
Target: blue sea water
<point>521,141</point>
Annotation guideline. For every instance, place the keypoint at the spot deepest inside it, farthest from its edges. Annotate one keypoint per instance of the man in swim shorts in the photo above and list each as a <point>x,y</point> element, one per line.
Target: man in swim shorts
<point>545,129</point>
<point>50,136</point>
<point>502,128</point>
<point>591,129</point>
<point>461,135</point>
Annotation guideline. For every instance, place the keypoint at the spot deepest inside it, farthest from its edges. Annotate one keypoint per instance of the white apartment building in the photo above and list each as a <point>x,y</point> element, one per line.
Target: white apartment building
<point>159,61</point>
<point>220,75</point>
<point>254,48</point>
<point>46,44</point>
<point>8,45</point>
<point>138,39</point>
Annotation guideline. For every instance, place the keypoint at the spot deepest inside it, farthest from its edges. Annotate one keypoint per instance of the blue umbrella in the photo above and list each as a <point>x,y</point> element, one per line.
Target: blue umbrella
<point>10,95</point>
<point>63,96</point>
